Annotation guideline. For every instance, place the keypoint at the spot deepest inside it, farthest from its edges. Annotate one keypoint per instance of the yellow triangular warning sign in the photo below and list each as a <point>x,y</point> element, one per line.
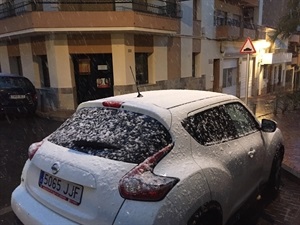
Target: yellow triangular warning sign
<point>248,47</point>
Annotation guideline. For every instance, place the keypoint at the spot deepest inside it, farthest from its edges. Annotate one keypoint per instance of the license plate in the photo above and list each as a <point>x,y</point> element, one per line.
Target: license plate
<point>17,96</point>
<point>63,189</point>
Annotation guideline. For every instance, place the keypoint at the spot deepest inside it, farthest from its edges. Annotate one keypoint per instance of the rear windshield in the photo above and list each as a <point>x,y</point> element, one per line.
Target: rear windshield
<point>15,82</point>
<point>111,133</point>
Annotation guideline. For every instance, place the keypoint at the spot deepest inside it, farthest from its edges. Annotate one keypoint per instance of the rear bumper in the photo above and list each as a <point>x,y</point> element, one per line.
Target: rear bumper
<point>31,212</point>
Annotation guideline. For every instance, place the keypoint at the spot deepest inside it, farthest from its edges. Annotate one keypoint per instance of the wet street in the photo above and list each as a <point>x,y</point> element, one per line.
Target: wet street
<point>16,135</point>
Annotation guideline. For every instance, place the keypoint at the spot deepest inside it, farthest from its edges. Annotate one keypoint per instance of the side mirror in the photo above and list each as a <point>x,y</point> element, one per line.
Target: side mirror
<point>268,125</point>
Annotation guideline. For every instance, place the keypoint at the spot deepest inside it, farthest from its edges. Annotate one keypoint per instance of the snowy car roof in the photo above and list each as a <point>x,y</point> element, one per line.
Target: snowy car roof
<point>166,98</point>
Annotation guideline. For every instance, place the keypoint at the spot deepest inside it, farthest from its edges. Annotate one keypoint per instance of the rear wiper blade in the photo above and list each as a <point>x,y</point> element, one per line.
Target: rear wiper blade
<point>94,144</point>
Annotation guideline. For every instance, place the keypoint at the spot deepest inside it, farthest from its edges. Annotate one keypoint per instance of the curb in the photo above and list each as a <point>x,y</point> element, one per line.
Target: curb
<point>291,170</point>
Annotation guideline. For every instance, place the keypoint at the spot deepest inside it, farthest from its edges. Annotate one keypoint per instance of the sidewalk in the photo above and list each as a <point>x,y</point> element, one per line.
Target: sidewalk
<point>289,124</point>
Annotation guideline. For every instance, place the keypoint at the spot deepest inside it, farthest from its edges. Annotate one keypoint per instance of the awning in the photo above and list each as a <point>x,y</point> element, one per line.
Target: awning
<point>276,58</point>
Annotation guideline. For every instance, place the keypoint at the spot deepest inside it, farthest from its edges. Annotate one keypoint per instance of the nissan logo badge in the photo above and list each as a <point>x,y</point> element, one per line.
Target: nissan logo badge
<point>55,168</point>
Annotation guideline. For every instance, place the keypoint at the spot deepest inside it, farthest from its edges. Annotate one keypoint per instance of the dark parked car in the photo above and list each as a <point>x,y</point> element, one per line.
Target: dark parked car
<point>17,94</point>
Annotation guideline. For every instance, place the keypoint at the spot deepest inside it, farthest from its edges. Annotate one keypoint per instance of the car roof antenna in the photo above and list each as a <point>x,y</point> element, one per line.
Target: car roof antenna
<point>136,84</point>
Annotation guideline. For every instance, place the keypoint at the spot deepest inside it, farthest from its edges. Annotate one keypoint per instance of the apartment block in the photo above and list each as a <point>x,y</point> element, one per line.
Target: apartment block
<point>78,50</point>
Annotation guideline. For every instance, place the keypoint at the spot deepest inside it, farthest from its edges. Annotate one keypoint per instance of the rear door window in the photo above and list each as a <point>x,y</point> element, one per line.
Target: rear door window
<point>211,126</point>
<point>220,124</point>
<point>111,133</point>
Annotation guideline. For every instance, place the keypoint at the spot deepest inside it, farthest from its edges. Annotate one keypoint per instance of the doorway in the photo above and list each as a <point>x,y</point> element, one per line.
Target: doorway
<point>216,72</point>
<point>93,76</point>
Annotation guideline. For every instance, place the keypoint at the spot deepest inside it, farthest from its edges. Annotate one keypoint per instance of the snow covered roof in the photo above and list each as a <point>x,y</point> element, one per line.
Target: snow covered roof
<point>165,98</point>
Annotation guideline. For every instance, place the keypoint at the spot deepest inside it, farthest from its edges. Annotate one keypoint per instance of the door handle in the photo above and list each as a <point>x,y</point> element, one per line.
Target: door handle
<point>251,152</point>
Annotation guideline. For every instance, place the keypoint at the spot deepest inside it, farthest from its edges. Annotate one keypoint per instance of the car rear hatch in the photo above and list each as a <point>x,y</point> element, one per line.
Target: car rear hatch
<point>77,170</point>
<point>85,188</point>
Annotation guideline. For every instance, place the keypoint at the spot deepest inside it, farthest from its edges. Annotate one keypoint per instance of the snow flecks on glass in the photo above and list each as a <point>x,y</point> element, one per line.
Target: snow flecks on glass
<point>112,133</point>
<point>220,124</point>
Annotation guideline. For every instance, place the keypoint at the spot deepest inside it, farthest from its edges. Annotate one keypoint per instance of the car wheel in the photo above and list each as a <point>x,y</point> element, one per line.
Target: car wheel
<point>210,214</point>
<point>275,176</point>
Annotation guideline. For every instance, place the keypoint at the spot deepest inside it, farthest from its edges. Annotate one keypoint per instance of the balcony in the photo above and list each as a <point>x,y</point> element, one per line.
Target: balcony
<point>227,28</point>
<point>243,2</point>
<point>249,2</point>
<point>39,18</point>
<point>158,7</point>
<point>227,32</point>
<point>276,58</point>
<point>249,33</point>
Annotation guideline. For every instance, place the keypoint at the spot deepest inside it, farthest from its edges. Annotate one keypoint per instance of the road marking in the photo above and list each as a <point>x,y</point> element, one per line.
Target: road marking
<point>5,210</point>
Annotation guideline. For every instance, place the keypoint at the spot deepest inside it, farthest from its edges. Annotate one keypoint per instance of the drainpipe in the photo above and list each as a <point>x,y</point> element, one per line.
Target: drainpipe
<point>260,12</point>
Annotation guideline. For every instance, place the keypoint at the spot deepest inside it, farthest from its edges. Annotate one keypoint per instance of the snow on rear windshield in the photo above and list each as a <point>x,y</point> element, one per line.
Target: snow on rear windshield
<point>112,133</point>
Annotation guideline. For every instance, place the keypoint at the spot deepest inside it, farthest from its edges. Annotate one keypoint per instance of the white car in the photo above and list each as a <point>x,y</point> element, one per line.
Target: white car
<point>166,157</point>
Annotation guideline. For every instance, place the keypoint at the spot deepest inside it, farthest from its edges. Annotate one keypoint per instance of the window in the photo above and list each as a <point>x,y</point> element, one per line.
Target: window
<point>211,126</point>
<point>229,77</point>
<point>243,121</point>
<point>16,82</point>
<point>16,65</point>
<point>220,124</point>
<point>220,18</point>
<point>141,68</point>
<point>248,14</point>
<point>110,133</point>
<point>236,20</point>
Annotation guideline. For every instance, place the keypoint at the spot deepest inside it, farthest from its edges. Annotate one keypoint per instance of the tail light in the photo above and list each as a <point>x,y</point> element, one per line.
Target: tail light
<point>142,184</point>
<point>113,104</point>
<point>33,149</point>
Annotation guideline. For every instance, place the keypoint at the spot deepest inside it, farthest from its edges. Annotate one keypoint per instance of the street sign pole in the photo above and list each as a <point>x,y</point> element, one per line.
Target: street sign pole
<point>247,48</point>
<point>247,79</point>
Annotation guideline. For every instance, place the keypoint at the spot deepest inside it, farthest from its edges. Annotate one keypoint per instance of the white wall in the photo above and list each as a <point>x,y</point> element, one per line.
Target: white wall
<point>186,38</point>
<point>28,66</point>
<point>123,58</point>
<point>158,60</point>
<point>210,50</point>
<point>58,61</point>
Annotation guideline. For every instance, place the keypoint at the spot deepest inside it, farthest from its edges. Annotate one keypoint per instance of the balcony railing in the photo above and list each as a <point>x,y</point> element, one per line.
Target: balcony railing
<point>169,8</point>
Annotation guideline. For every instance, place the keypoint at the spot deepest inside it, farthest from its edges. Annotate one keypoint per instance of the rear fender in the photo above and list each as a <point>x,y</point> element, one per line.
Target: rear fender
<point>188,195</point>
<point>221,186</point>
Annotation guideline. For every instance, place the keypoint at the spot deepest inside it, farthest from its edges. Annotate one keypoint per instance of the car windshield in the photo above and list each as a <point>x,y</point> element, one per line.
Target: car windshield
<point>15,82</point>
<point>111,133</point>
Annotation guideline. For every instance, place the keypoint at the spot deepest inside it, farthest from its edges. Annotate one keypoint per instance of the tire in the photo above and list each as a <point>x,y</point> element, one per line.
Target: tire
<point>275,176</point>
<point>210,214</point>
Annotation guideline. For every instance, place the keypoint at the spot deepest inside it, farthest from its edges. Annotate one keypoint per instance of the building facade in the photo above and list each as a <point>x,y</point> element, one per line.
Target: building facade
<point>87,49</point>
<point>225,35</point>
